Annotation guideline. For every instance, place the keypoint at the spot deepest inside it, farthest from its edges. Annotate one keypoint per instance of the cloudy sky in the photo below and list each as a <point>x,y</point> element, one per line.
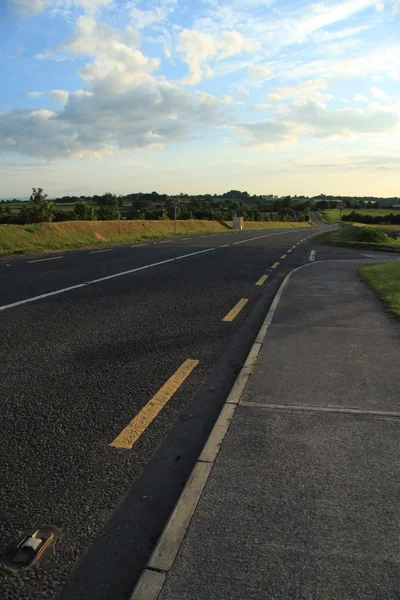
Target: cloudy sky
<point>201,96</point>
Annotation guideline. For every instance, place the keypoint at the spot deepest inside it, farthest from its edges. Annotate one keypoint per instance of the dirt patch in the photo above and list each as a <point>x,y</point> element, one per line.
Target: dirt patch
<point>100,237</point>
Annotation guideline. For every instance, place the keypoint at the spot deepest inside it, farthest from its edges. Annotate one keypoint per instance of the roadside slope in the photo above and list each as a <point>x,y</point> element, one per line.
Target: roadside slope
<point>19,239</point>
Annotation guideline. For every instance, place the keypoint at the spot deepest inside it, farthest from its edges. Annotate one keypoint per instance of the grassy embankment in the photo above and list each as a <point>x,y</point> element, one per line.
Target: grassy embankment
<point>20,239</point>
<point>366,237</point>
<point>384,280</point>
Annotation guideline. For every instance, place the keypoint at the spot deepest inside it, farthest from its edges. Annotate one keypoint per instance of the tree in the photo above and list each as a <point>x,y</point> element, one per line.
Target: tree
<point>109,211</point>
<point>83,211</point>
<point>38,209</point>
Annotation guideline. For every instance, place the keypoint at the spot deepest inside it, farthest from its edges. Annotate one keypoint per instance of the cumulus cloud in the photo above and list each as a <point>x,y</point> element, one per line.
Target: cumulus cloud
<point>380,7</point>
<point>199,49</point>
<point>117,62</point>
<point>91,124</point>
<point>60,96</point>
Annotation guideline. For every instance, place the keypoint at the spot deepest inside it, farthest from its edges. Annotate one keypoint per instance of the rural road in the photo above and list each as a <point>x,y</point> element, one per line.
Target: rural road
<point>88,339</point>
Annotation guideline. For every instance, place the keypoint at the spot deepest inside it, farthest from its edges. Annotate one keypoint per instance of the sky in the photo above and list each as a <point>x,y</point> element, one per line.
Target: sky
<point>273,97</point>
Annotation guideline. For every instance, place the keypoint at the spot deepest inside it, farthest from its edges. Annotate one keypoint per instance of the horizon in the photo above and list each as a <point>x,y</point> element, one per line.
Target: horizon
<point>116,94</point>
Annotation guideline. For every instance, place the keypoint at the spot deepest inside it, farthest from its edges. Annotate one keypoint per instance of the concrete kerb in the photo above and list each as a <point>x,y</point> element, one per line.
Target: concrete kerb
<point>153,577</point>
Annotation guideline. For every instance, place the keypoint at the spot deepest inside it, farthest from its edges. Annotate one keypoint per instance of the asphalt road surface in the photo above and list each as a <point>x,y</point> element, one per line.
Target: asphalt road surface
<point>88,339</point>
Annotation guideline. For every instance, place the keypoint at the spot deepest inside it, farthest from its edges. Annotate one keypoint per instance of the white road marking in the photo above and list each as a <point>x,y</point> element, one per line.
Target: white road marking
<point>312,255</point>
<point>43,259</point>
<point>259,237</point>
<point>98,251</point>
<point>186,238</point>
<point>224,246</point>
<point>138,245</point>
<point>166,242</point>
<point>80,285</point>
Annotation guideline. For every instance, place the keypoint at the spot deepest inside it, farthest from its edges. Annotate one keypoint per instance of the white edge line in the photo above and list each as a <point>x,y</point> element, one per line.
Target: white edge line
<point>162,559</point>
<point>29,262</point>
<point>80,285</point>
<point>98,251</point>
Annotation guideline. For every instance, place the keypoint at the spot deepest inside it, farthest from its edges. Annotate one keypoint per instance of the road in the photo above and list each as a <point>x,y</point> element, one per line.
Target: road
<point>88,339</point>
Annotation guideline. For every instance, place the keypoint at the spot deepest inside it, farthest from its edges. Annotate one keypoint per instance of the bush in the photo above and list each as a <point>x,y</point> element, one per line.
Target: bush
<point>83,211</point>
<point>369,234</point>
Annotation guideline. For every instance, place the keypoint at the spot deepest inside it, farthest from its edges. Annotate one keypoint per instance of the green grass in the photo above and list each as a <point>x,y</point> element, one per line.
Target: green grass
<point>334,214</point>
<point>368,238</point>
<point>19,239</point>
<point>325,217</point>
<point>384,280</point>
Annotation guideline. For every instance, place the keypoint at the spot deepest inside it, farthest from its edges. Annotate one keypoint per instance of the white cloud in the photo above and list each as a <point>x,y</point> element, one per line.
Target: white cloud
<point>345,122</point>
<point>396,9</point>
<point>380,60</point>
<point>306,90</point>
<point>91,123</point>
<point>60,96</point>
<point>378,93</point>
<point>270,133</point>
<point>260,72</point>
<point>380,7</point>
<point>144,18</point>
<point>29,7</point>
<point>199,49</point>
<point>36,94</point>
<point>116,65</point>
<point>360,98</point>
<point>242,93</point>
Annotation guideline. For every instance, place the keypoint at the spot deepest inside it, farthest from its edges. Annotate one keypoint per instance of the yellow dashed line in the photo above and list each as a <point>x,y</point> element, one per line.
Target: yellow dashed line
<point>283,256</point>
<point>289,250</point>
<point>275,265</point>
<point>139,424</point>
<point>262,280</point>
<point>236,310</point>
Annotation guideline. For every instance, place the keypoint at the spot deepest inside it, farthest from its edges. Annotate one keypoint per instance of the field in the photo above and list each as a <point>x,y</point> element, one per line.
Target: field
<point>18,239</point>
<point>334,214</point>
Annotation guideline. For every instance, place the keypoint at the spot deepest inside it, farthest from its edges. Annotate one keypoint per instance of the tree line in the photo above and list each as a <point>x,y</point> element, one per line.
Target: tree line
<point>157,207</point>
<point>390,219</point>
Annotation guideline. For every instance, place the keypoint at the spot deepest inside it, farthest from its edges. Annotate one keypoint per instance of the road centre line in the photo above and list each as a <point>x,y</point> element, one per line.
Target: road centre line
<point>43,259</point>
<point>122,273</point>
<point>98,251</point>
<point>262,280</point>
<point>224,246</point>
<point>139,424</point>
<point>288,251</point>
<point>235,310</point>
<point>275,265</point>
<point>259,237</point>
<point>283,256</point>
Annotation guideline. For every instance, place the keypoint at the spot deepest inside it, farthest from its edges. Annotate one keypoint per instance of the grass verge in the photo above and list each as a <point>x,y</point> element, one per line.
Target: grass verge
<point>21,239</point>
<point>367,238</point>
<point>384,280</point>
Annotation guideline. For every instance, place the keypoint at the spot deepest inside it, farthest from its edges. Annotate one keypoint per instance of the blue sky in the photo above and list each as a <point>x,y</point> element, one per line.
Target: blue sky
<point>272,97</point>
